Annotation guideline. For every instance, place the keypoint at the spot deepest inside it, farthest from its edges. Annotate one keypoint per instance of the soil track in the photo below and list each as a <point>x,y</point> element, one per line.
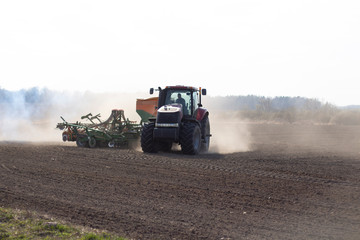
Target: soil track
<point>298,182</point>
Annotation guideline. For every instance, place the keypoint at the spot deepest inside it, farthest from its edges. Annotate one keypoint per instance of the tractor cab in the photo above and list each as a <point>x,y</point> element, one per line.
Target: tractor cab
<point>188,97</point>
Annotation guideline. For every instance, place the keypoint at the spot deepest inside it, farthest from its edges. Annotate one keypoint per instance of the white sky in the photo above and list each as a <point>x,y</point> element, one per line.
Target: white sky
<point>261,47</point>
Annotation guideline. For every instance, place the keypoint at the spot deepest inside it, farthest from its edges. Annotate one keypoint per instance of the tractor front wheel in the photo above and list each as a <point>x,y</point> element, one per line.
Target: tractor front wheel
<point>190,138</point>
<point>148,144</point>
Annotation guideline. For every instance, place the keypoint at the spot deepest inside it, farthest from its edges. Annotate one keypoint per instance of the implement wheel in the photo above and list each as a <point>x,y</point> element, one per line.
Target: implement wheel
<point>92,142</point>
<point>82,140</point>
<point>65,137</point>
<point>111,144</point>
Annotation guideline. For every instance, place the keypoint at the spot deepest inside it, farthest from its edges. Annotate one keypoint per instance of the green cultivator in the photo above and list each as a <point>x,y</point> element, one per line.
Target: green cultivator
<point>116,131</point>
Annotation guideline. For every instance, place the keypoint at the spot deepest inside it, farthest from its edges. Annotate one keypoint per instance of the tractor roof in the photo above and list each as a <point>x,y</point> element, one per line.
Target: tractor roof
<point>182,87</point>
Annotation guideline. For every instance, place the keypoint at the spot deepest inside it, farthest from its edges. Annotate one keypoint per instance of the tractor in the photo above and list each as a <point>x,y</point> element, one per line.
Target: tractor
<point>180,118</point>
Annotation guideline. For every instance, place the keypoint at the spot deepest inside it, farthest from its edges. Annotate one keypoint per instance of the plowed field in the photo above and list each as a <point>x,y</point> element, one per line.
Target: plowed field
<point>296,182</point>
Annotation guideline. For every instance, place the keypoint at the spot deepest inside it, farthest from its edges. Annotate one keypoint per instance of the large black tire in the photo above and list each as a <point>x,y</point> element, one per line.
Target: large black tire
<point>148,144</point>
<point>205,134</point>
<point>82,140</point>
<point>190,138</point>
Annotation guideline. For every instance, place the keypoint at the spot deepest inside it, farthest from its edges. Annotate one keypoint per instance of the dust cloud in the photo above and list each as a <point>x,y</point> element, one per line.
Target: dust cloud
<point>230,133</point>
<point>32,115</point>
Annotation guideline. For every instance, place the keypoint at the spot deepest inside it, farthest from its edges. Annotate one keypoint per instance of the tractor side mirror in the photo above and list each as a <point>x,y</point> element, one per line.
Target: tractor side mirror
<point>151,90</point>
<point>203,92</point>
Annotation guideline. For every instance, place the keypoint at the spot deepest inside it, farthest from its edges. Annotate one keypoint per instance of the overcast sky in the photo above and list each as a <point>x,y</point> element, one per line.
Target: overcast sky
<point>269,48</point>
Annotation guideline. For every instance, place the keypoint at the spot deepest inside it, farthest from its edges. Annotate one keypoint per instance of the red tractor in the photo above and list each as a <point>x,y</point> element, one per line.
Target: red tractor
<point>181,119</point>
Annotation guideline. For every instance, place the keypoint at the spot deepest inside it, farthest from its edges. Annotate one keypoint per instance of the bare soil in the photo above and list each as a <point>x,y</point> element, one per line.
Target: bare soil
<point>297,182</point>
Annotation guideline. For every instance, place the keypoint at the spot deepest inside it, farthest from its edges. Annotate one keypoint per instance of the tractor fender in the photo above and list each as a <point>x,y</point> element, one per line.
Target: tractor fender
<point>201,113</point>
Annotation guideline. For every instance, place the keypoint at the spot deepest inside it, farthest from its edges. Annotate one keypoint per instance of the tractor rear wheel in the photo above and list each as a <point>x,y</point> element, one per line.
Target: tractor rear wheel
<point>147,142</point>
<point>190,138</point>
<point>205,132</point>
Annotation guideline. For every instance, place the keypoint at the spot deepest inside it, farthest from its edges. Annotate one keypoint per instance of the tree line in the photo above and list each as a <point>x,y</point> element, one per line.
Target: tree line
<point>283,109</point>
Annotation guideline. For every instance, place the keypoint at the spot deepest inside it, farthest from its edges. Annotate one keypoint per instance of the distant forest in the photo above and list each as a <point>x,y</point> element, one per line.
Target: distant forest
<point>35,101</point>
<point>252,102</point>
<point>283,109</point>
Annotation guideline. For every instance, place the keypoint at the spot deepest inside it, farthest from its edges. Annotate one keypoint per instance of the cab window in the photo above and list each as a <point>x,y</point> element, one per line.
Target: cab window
<point>182,97</point>
<point>195,101</point>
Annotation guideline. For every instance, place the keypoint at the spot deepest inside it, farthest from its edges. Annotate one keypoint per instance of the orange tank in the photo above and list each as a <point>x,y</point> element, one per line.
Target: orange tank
<point>147,108</point>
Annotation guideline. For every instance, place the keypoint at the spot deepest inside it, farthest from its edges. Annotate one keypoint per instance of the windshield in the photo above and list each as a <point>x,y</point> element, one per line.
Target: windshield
<point>182,97</point>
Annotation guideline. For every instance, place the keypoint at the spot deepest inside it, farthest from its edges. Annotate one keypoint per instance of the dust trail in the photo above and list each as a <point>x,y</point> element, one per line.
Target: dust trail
<point>229,133</point>
<point>32,114</point>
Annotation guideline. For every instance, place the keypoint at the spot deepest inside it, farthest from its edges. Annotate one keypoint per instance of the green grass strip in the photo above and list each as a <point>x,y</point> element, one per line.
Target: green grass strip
<point>16,224</point>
